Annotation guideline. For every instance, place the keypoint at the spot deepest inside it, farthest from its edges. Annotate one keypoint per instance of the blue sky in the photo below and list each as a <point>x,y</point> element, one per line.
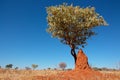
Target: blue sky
<point>24,40</point>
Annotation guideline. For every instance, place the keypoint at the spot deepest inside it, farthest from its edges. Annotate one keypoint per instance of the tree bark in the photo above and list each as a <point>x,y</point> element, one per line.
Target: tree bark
<point>73,53</point>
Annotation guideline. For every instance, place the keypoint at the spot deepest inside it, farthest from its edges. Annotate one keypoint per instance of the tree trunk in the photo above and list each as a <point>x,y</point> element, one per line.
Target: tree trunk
<point>73,53</point>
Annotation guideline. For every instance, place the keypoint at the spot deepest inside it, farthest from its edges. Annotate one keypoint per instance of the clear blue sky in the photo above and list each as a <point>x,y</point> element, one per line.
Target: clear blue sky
<point>24,40</point>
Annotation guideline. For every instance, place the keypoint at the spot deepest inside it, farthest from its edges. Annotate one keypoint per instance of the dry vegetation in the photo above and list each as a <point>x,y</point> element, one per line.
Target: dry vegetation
<point>10,74</point>
<point>116,73</point>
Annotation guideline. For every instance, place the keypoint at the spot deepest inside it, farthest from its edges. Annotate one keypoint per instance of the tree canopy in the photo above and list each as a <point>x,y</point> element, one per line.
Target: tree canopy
<point>73,25</point>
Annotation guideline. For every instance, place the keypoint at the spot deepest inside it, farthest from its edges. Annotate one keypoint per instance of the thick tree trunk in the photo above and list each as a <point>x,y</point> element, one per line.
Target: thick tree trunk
<point>73,53</point>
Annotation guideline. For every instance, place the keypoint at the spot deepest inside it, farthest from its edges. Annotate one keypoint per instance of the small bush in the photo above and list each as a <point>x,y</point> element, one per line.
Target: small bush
<point>62,65</point>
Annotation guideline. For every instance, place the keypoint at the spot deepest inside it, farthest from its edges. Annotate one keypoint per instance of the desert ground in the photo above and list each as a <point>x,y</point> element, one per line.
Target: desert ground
<point>11,74</point>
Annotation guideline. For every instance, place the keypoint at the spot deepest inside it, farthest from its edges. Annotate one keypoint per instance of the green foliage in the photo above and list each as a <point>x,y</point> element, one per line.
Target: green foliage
<point>73,25</point>
<point>34,66</point>
<point>8,66</point>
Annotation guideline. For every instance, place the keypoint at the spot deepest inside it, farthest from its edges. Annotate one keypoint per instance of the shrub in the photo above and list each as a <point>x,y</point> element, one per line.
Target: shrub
<point>62,65</point>
<point>8,66</point>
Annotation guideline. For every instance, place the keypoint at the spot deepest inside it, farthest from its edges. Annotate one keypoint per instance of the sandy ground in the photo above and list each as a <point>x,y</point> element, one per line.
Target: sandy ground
<point>57,75</point>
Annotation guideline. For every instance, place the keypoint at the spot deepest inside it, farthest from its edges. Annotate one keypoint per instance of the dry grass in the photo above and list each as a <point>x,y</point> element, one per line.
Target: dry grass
<point>110,75</point>
<point>9,74</point>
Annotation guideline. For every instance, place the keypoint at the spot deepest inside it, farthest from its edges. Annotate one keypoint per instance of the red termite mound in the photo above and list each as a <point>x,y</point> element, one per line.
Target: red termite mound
<point>82,69</point>
<point>82,62</point>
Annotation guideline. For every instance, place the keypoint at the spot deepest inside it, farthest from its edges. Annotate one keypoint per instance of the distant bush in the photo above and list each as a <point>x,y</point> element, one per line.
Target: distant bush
<point>55,68</point>
<point>16,68</point>
<point>34,66</point>
<point>62,65</point>
<point>97,69</point>
<point>27,68</point>
<point>49,68</point>
<point>103,69</point>
<point>8,66</point>
<point>69,69</point>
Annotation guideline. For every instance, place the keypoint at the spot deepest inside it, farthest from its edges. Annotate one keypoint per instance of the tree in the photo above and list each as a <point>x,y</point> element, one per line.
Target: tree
<point>34,66</point>
<point>8,66</point>
<point>62,65</point>
<point>73,25</point>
